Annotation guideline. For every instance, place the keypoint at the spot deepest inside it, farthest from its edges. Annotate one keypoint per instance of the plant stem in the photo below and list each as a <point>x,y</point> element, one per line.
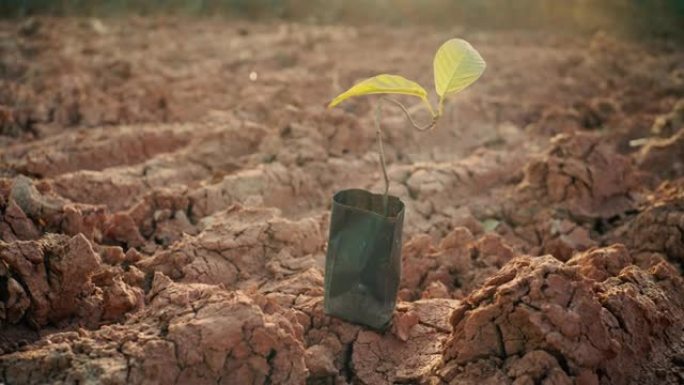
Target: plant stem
<point>381,152</point>
<point>410,118</point>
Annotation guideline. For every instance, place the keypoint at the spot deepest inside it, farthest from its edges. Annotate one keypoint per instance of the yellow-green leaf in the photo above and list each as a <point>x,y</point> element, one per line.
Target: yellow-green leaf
<point>382,84</point>
<point>457,65</point>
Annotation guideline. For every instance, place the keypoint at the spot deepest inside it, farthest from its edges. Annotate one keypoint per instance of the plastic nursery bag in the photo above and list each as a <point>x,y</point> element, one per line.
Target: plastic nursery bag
<point>363,263</point>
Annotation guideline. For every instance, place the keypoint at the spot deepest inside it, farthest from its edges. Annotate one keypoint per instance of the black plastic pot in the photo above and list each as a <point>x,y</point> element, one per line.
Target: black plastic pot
<point>363,264</point>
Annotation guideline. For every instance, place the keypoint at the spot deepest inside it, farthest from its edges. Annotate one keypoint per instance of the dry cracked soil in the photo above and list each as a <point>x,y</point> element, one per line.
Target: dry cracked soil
<point>165,188</point>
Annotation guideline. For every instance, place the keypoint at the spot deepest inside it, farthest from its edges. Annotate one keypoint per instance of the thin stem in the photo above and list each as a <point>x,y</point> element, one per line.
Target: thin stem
<point>381,150</point>
<point>410,118</point>
<point>381,153</point>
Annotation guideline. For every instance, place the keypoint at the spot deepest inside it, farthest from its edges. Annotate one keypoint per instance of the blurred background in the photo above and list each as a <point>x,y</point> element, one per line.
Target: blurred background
<point>624,16</point>
<point>612,66</point>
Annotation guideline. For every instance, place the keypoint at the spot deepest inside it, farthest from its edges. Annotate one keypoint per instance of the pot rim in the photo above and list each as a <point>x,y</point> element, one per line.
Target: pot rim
<point>390,197</point>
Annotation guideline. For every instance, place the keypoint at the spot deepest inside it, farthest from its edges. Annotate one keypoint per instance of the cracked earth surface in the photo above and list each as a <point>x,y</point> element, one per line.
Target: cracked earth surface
<point>163,217</point>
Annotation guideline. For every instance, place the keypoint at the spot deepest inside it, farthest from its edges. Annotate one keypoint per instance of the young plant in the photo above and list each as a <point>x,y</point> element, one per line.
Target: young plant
<point>456,66</point>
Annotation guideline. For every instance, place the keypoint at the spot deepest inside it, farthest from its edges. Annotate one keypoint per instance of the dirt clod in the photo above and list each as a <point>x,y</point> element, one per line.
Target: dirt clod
<point>540,318</point>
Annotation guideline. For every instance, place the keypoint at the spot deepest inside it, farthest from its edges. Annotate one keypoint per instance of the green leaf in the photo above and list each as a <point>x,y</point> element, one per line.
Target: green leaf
<point>457,65</point>
<point>382,84</point>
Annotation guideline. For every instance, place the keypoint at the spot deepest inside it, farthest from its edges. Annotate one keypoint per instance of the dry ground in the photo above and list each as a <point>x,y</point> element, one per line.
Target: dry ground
<point>163,216</point>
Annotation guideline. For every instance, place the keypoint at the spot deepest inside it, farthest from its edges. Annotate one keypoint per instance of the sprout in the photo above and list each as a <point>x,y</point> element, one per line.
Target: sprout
<point>456,65</point>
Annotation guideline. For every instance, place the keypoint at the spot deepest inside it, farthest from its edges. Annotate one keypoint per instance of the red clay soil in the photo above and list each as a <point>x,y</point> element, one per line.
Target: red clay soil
<point>163,214</point>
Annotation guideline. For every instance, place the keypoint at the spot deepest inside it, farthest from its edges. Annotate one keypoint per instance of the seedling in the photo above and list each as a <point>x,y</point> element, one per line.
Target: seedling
<point>363,262</point>
<point>456,66</point>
